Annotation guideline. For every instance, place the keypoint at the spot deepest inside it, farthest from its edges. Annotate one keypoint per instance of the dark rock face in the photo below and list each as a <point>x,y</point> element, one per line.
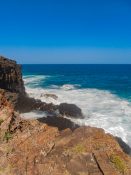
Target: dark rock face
<point>70,110</point>
<point>27,104</point>
<point>10,76</point>
<point>126,148</point>
<point>60,122</point>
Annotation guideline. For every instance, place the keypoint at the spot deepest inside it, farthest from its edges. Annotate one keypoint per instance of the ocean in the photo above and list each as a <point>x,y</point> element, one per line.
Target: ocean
<point>103,92</point>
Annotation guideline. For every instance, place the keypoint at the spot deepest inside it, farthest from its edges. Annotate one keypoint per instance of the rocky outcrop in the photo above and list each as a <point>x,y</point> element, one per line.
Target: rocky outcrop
<point>10,76</point>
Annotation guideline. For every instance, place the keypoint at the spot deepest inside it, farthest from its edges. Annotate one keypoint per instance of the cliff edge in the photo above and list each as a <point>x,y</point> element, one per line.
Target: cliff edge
<point>11,76</point>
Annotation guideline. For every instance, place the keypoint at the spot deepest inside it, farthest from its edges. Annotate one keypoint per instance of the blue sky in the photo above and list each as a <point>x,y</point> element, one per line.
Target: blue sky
<point>66,31</point>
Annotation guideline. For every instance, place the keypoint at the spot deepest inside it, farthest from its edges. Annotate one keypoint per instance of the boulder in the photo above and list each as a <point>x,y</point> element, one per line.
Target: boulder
<point>70,110</point>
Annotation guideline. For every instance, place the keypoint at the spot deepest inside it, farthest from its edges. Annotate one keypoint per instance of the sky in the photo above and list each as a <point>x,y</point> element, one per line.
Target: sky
<point>66,31</point>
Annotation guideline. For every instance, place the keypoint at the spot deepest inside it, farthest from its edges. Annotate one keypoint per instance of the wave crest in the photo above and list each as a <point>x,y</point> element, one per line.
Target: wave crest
<point>34,80</point>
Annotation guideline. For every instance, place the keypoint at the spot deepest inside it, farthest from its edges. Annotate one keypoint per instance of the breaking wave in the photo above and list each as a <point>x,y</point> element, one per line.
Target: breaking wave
<point>33,80</point>
<point>101,108</point>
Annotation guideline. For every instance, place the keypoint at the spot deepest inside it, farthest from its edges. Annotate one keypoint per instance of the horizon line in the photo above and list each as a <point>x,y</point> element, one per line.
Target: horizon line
<point>75,63</point>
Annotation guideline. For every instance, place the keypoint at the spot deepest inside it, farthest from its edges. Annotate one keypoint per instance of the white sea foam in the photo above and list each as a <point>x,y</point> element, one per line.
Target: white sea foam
<point>69,86</point>
<point>100,108</point>
<point>33,115</point>
<point>33,79</point>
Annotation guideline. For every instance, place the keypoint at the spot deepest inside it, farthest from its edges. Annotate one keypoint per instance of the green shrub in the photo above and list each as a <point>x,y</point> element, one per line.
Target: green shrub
<point>7,136</point>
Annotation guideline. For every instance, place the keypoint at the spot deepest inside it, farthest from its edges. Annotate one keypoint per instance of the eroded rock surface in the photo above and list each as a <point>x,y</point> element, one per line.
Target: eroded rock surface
<point>38,149</point>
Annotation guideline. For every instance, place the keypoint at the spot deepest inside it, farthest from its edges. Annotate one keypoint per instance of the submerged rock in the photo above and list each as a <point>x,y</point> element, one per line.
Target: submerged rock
<point>55,97</point>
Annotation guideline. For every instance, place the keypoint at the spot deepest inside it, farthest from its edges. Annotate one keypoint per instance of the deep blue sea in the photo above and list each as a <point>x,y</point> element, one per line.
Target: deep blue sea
<point>115,78</point>
<point>103,92</point>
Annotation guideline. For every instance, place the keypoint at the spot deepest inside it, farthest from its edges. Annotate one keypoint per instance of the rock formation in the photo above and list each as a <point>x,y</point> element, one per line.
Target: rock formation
<point>10,76</point>
<point>70,110</point>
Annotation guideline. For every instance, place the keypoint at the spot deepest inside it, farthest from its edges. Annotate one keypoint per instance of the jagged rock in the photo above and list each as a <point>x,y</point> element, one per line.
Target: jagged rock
<point>10,76</point>
<point>27,104</point>
<point>60,122</point>
<point>85,150</point>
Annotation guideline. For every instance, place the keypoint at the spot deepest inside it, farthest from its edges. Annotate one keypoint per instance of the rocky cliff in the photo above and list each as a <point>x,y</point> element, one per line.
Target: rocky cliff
<point>10,76</point>
<point>53,145</point>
